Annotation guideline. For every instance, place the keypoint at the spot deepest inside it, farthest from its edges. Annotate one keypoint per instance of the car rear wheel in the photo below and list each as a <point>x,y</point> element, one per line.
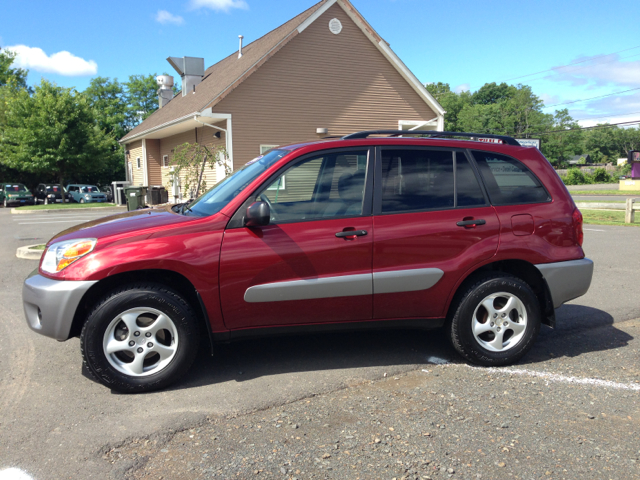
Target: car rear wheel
<point>495,321</point>
<point>140,338</point>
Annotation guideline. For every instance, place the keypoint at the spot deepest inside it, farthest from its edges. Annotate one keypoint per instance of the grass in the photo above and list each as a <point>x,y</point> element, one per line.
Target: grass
<point>621,201</point>
<point>65,206</point>
<point>607,217</point>
<point>627,193</point>
<point>38,247</point>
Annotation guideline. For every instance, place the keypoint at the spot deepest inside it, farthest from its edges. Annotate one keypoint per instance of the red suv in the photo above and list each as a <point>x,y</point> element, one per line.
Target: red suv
<point>482,238</point>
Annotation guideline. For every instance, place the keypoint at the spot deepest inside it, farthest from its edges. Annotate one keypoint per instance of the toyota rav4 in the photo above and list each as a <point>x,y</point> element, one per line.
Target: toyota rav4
<point>368,230</point>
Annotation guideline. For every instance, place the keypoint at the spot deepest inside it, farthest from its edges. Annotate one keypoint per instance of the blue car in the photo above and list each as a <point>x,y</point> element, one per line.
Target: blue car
<point>86,193</point>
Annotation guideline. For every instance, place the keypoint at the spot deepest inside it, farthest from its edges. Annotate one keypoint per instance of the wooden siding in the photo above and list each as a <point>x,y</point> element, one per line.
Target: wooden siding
<point>135,151</point>
<point>154,162</point>
<point>340,82</point>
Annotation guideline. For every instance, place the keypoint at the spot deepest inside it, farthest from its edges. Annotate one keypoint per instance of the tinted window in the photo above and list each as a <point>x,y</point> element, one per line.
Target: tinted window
<point>416,179</point>
<point>467,185</point>
<point>508,181</point>
<point>327,186</point>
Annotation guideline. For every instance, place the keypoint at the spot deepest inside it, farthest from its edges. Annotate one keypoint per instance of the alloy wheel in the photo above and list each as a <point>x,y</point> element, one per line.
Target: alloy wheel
<point>140,342</point>
<point>499,322</point>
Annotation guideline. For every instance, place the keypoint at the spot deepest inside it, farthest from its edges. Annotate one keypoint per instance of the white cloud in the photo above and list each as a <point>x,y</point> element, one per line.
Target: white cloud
<point>165,17</point>
<point>464,87</point>
<point>219,5</point>
<point>62,63</point>
<point>599,71</point>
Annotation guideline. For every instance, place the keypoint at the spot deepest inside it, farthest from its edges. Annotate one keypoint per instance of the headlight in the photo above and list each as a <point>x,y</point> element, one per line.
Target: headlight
<point>62,254</point>
<point>51,195</point>
<point>87,196</point>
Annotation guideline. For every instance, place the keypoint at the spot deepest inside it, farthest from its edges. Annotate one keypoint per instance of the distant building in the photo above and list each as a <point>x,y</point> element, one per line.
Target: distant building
<point>580,159</point>
<point>325,72</point>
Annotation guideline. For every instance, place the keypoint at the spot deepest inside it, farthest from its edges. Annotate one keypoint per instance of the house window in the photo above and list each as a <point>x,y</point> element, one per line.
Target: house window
<point>265,148</point>
<point>138,162</point>
<point>165,161</point>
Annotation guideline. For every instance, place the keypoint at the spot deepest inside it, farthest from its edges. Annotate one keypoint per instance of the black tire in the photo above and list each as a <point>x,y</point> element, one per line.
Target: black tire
<point>82,200</point>
<point>461,320</point>
<point>144,295</point>
<point>45,201</point>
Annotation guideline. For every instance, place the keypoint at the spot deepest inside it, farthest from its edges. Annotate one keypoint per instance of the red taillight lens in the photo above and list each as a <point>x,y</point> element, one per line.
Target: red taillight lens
<point>577,226</point>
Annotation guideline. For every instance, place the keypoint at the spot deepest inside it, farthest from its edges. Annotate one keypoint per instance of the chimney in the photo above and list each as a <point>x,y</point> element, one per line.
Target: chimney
<point>165,92</point>
<point>240,49</point>
<point>191,70</point>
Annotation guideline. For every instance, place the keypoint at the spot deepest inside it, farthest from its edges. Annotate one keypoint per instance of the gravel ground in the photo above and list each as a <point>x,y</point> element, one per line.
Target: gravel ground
<point>552,416</point>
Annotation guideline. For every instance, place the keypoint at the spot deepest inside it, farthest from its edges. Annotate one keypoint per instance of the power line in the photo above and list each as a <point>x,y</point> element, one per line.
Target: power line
<point>592,98</point>
<point>571,64</point>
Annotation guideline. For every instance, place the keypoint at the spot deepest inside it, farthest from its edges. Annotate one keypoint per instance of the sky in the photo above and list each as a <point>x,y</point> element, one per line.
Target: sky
<point>586,52</point>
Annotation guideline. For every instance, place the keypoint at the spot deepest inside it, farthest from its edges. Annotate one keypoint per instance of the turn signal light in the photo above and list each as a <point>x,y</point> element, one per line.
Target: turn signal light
<point>62,254</point>
<point>577,227</point>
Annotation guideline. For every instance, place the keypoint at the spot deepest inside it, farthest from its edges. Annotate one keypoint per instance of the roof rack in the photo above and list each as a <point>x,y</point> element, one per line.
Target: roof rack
<point>432,133</point>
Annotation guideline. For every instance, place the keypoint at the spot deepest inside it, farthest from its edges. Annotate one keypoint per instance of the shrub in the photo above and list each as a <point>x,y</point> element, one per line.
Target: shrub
<point>600,175</point>
<point>576,177</point>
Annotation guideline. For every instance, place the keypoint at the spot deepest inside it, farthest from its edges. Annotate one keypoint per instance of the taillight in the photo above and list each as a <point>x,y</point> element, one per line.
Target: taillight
<point>577,226</point>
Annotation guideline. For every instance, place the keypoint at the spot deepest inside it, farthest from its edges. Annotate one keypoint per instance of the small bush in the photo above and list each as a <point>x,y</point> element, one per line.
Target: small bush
<point>576,177</point>
<point>600,175</point>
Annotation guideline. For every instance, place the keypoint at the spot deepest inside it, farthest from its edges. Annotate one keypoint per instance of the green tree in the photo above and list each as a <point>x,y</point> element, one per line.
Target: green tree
<point>8,74</point>
<point>141,97</point>
<point>52,132</point>
<point>452,103</point>
<point>564,140</point>
<point>191,160</point>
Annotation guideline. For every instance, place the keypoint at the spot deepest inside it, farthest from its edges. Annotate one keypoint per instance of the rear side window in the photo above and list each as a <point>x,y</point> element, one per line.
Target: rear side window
<point>508,181</point>
<point>426,179</point>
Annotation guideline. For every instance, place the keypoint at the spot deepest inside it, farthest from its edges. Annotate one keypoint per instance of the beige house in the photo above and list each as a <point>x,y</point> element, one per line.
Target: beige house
<point>326,72</point>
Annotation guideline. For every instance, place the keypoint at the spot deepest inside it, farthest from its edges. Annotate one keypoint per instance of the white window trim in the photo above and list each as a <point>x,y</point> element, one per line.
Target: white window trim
<point>282,185</point>
<point>266,148</point>
<point>165,164</point>
<point>433,124</point>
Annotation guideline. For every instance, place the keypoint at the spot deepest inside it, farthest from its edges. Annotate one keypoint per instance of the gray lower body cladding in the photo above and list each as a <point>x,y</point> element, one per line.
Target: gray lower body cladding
<point>50,305</point>
<point>567,280</point>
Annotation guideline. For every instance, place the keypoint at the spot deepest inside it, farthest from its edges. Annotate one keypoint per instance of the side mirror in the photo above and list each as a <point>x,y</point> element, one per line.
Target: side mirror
<point>258,215</point>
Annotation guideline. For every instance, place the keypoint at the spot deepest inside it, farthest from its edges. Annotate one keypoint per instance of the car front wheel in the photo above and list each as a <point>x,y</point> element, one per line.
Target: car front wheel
<point>140,338</point>
<point>495,321</point>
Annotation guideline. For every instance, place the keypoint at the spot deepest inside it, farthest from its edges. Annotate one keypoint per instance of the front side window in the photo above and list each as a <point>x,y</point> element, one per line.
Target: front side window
<point>228,188</point>
<point>327,186</point>
<point>508,181</point>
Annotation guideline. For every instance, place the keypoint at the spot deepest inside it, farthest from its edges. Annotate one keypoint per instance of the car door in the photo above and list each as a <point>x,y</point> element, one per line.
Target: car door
<point>433,222</point>
<point>312,263</point>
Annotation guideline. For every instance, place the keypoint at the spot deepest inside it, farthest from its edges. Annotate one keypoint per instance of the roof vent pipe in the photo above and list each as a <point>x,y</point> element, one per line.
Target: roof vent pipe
<point>165,92</point>
<point>240,49</point>
<point>191,70</point>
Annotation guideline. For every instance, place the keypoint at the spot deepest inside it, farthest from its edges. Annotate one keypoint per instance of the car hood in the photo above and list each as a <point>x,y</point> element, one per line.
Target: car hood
<point>136,221</point>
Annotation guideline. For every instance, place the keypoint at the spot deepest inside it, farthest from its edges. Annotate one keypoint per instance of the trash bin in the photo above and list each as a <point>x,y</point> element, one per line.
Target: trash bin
<point>159,195</point>
<point>135,197</point>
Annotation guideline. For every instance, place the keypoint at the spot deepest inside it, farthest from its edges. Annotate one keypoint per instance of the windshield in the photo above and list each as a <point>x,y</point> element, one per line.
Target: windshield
<point>226,190</point>
<point>52,188</point>
<point>16,188</point>
<point>89,189</point>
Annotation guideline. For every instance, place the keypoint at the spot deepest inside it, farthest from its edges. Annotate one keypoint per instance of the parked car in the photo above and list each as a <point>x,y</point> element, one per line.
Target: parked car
<point>107,190</point>
<point>86,193</point>
<point>50,193</point>
<point>480,238</point>
<point>15,194</point>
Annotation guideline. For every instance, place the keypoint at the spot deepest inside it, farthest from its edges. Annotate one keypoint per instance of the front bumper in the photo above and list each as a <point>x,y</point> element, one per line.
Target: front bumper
<point>50,305</point>
<point>567,280</point>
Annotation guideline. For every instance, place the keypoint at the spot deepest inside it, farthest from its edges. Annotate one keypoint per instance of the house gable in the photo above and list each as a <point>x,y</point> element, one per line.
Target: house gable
<point>319,79</point>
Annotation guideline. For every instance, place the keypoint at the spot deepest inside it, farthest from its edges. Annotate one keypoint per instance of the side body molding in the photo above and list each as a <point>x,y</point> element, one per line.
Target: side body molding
<point>345,286</point>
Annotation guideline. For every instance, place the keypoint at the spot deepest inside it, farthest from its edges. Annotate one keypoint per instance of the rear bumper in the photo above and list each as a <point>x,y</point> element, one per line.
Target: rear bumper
<point>50,305</point>
<point>567,280</point>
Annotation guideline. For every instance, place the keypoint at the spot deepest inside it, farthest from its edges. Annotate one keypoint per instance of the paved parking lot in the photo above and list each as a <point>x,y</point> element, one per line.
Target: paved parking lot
<point>222,420</point>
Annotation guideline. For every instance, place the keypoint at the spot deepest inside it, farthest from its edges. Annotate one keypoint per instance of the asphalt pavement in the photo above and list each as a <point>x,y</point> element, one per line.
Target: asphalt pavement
<point>56,423</point>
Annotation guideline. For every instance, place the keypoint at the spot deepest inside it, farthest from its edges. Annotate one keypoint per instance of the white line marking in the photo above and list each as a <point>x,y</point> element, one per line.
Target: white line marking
<point>554,377</point>
<point>14,474</point>
<point>593,230</point>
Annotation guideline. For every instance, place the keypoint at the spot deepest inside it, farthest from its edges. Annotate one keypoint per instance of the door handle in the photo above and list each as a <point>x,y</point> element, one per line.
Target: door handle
<point>471,223</point>
<point>351,233</point>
